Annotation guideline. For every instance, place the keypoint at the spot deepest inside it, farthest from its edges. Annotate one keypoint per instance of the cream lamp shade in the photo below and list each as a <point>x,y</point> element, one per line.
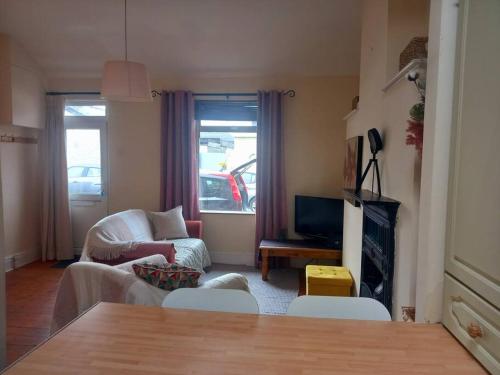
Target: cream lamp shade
<point>125,81</point>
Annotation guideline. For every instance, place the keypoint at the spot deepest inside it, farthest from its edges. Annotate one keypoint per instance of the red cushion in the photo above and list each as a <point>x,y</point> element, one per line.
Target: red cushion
<point>152,248</point>
<point>143,250</point>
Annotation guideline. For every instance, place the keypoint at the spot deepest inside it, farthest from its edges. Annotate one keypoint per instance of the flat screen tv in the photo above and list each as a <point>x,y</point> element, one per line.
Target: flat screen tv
<point>320,218</point>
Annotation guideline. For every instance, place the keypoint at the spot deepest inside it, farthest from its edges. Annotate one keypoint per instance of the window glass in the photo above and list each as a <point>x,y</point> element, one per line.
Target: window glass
<point>83,152</point>
<point>227,123</point>
<point>75,172</point>
<point>85,110</point>
<point>227,154</point>
<point>94,172</point>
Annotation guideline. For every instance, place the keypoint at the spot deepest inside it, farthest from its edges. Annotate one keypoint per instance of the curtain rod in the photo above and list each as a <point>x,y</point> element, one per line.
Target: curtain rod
<point>289,93</point>
<point>155,93</point>
<point>56,93</point>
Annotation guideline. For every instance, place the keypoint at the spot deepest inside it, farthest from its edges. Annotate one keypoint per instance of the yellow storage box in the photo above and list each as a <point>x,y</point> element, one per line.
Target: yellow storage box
<point>328,281</point>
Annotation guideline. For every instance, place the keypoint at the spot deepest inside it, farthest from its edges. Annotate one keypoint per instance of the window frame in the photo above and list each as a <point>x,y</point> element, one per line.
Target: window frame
<point>91,123</point>
<point>222,129</point>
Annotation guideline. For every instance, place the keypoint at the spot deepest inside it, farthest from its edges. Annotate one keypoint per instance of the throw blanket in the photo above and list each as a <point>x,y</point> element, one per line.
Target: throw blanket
<point>84,284</point>
<point>116,234</point>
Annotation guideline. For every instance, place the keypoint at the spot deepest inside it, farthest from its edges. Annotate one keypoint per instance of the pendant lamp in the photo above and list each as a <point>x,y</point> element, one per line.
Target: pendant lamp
<point>124,80</point>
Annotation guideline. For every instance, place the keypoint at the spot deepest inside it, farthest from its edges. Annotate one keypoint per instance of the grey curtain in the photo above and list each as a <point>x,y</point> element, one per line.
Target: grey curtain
<point>179,154</point>
<point>56,236</point>
<point>271,203</point>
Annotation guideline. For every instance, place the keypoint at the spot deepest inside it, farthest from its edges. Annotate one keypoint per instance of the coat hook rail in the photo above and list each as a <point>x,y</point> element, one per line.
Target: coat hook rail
<point>14,139</point>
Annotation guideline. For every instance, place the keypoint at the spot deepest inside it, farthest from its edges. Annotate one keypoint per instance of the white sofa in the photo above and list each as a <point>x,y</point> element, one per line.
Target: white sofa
<point>118,233</point>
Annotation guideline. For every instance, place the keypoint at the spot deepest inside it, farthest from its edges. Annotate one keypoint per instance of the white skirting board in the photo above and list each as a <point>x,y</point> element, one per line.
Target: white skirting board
<point>20,259</point>
<point>227,257</point>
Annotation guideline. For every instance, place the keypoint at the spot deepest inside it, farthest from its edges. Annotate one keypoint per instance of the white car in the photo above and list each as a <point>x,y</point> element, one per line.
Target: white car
<point>84,179</point>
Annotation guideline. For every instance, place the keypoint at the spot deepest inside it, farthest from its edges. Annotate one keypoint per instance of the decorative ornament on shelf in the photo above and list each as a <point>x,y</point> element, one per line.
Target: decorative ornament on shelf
<point>415,129</point>
<point>355,102</point>
<point>416,49</point>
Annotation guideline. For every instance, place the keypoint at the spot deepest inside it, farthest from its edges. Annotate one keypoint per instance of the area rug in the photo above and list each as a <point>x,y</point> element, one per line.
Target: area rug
<point>274,295</point>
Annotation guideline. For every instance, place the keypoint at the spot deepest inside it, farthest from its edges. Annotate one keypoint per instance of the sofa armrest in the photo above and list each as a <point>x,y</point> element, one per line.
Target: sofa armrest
<point>141,250</point>
<point>194,228</point>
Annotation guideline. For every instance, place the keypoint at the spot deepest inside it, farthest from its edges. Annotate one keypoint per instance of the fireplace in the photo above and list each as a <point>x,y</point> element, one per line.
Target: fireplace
<point>378,245</point>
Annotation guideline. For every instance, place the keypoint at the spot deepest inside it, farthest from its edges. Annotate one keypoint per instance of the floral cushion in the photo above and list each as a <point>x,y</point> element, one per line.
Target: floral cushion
<point>167,276</point>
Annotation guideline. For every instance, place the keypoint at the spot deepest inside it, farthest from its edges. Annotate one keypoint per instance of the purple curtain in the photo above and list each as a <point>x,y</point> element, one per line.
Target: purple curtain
<point>179,154</point>
<point>271,207</point>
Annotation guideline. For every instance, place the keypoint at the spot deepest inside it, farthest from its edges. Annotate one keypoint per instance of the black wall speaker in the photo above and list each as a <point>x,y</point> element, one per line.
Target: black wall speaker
<point>375,141</point>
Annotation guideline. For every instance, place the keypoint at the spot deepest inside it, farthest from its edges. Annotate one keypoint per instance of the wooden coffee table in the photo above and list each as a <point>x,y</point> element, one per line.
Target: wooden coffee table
<point>294,249</point>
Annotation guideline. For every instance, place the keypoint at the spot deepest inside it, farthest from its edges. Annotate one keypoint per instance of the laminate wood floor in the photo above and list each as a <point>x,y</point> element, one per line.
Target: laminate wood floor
<point>31,292</point>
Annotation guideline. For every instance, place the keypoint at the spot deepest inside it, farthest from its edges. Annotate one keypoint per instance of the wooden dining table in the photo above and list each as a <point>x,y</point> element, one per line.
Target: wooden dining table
<point>127,339</point>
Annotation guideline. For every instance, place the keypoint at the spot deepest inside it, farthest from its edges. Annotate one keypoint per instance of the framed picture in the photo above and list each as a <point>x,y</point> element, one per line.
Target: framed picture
<point>352,165</point>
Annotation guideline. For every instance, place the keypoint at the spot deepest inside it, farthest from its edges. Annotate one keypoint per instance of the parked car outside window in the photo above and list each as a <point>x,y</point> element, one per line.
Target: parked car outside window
<point>84,180</point>
<point>227,162</point>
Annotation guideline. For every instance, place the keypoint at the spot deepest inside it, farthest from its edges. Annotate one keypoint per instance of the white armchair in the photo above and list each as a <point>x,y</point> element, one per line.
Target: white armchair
<point>84,284</point>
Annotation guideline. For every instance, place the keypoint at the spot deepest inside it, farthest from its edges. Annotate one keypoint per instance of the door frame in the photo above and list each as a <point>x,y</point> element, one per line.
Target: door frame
<point>443,24</point>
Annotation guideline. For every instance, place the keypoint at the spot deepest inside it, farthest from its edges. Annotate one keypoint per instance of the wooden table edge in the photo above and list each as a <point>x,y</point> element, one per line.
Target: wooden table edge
<point>259,316</point>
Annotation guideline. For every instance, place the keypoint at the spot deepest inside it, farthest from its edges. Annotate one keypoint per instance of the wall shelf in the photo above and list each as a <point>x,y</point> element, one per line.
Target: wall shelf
<point>350,114</point>
<point>383,206</point>
<point>417,64</point>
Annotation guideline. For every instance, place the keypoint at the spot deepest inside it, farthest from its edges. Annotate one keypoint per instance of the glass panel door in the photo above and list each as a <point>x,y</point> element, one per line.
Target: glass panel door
<point>86,152</point>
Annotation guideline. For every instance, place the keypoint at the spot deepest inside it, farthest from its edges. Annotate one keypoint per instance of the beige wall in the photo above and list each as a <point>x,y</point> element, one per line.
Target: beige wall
<point>406,19</point>
<point>21,197</point>
<point>230,237</point>
<point>399,163</point>
<point>134,155</point>
<point>20,186</point>
<point>314,137</point>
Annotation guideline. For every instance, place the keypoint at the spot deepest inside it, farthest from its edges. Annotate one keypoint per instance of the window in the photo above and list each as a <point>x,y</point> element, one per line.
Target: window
<point>83,151</point>
<point>85,123</point>
<point>74,172</point>
<point>227,155</point>
<point>85,110</point>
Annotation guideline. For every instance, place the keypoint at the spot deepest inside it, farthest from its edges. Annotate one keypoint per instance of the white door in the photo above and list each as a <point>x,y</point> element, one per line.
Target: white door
<point>86,152</point>
<point>472,280</point>
<point>473,241</point>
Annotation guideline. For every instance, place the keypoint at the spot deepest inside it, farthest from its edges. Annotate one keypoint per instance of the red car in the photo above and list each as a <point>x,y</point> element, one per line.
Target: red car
<point>222,191</point>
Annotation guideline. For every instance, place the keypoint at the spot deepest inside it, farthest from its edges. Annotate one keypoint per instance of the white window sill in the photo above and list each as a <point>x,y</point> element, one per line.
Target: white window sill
<point>227,212</point>
<point>86,197</point>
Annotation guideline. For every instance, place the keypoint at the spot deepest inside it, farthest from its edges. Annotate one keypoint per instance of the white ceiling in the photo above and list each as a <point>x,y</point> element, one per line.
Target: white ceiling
<point>73,38</point>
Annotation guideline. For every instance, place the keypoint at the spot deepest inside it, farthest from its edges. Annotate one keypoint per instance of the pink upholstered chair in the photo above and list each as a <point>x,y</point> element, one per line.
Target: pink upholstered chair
<point>194,228</point>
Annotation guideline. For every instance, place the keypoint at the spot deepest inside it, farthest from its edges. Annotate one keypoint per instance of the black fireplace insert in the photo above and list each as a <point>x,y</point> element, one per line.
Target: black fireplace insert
<point>378,246</point>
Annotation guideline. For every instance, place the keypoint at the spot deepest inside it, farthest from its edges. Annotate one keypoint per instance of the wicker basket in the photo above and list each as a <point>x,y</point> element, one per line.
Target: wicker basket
<point>416,49</point>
